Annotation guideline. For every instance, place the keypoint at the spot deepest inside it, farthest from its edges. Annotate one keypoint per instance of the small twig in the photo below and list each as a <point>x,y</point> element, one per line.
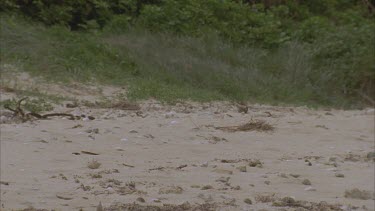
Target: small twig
<point>158,168</point>
<point>89,153</point>
<point>127,165</point>
<point>182,166</point>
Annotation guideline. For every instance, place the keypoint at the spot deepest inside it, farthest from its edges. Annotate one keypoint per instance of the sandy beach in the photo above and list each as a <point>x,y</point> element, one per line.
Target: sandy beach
<point>179,155</point>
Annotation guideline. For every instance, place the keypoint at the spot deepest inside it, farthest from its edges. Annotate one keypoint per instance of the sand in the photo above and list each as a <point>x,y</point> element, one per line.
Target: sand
<point>175,154</point>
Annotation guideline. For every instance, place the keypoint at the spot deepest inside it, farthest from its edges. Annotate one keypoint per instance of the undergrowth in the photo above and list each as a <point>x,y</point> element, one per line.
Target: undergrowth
<point>328,71</point>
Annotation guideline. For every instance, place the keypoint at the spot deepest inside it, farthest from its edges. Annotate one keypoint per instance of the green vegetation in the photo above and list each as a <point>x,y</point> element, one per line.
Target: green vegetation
<point>290,51</point>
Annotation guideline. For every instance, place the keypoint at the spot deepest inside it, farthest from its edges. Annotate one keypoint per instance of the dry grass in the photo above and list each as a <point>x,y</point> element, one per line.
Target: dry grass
<point>252,125</point>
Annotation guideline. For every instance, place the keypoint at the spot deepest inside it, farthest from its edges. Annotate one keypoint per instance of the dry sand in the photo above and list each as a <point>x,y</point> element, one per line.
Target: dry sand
<point>174,154</point>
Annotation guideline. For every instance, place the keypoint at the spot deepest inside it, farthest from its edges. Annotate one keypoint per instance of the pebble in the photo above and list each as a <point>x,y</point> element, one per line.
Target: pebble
<point>339,175</point>
<point>64,196</point>
<point>242,168</point>
<point>248,201</point>
<point>310,189</point>
<point>283,175</point>
<point>295,175</point>
<point>306,182</point>
<point>140,199</point>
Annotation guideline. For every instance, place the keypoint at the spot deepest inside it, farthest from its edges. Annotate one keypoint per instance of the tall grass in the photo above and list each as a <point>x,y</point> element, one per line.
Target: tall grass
<point>169,67</point>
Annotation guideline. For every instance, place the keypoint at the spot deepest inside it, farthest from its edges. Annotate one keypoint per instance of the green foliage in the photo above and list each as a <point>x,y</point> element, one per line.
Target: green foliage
<point>36,105</point>
<point>284,50</point>
<point>236,22</point>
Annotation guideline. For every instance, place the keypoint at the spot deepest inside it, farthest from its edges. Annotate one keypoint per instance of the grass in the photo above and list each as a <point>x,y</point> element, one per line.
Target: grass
<point>170,68</point>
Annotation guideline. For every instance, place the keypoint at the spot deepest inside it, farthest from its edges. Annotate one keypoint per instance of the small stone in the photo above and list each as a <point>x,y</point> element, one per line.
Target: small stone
<point>237,187</point>
<point>306,182</point>
<point>140,199</point>
<point>310,189</point>
<point>195,186</point>
<point>242,168</point>
<point>93,164</point>
<point>339,175</point>
<point>283,175</point>
<point>64,196</point>
<point>267,182</point>
<point>248,201</point>
<point>289,201</point>
<point>133,131</point>
<point>295,175</point>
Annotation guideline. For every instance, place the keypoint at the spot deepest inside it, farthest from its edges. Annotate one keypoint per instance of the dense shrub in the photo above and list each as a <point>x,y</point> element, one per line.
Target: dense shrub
<point>290,50</point>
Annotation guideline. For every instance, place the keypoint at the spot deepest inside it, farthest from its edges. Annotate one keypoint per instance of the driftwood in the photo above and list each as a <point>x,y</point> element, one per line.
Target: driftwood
<point>19,112</point>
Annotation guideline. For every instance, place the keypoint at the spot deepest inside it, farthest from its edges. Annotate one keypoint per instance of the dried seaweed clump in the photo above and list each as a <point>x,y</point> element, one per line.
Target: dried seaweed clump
<point>252,125</point>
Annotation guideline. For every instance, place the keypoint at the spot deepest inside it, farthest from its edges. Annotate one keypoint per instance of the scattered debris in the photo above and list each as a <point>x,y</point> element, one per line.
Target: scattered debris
<point>165,207</point>
<point>207,187</point>
<point>20,113</point>
<point>140,199</point>
<point>253,125</point>
<point>322,126</point>
<point>352,157</point>
<point>215,140</point>
<point>129,188</point>
<point>255,163</point>
<point>265,198</point>
<point>242,168</point>
<point>242,108</point>
<point>96,176</point>
<point>222,171</point>
<point>171,189</point>
<point>181,167</point>
<point>358,194</point>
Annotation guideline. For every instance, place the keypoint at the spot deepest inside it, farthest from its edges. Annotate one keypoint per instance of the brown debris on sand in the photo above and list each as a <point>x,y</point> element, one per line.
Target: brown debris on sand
<point>165,207</point>
<point>358,194</point>
<point>252,125</point>
<point>19,113</point>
